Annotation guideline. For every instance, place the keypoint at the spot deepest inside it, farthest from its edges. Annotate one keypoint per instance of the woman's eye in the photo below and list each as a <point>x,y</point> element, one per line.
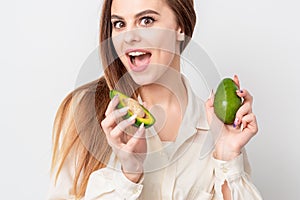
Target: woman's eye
<point>145,21</point>
<point>118,24</point>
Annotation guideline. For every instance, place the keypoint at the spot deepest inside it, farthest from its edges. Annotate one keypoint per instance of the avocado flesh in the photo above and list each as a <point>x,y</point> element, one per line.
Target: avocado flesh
<point>135,107</point>
<point>226,101</point>
<point>143,115</point>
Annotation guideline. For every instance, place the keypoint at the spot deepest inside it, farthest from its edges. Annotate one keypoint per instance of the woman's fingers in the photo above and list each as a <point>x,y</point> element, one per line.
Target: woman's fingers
<point>242,93</point>
<point>110,121</point>
<point>245,95</point>
<point>137,143</point>
<point>120,128</point>
<point>112,105</point>
<point>110,127</point>
<point>250,128</point>
<point>236,80</point>
<point>242,111</point>
<point>131,153</point>
<point>246,107</point>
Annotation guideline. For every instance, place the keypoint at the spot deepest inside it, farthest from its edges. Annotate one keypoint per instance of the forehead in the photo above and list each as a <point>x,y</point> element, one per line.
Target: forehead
<point>130,7</point>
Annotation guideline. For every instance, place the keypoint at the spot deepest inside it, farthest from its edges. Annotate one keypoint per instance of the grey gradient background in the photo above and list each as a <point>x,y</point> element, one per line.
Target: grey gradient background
<point>44,43</point>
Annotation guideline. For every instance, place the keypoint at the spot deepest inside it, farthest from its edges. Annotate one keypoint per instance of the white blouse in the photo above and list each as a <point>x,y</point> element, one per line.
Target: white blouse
<point>184,169</point>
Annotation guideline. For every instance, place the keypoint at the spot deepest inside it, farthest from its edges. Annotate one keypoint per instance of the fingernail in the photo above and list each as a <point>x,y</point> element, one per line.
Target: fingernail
<point>211,93</point>
<point>116,97</point>
<point>139,132</point>
<point>242,127</point>
<point>141,127</point>
<point>236,122</point>
<point>241,91</point>
<point>124,110</point>
<point>132,118</point>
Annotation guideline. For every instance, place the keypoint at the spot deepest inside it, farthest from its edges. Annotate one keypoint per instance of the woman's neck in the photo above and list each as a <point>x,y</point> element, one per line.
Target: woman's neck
<point>167,100</point>
<point>168,91</point>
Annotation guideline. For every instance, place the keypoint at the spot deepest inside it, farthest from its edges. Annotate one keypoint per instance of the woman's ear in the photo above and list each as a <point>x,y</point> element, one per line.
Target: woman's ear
<point>180,34</point>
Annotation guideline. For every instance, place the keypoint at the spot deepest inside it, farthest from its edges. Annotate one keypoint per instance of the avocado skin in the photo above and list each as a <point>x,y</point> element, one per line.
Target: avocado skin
<point>147,123</point>
<point>226,101</point>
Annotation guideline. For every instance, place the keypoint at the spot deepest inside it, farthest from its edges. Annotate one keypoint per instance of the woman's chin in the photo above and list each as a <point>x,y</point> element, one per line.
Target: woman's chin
<point>142,81</point>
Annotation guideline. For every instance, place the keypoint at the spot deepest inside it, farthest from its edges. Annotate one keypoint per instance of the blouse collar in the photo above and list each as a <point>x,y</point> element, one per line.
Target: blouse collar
<point>194,119</point>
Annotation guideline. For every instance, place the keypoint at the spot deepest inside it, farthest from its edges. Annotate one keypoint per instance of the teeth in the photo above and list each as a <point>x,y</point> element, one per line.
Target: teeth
<point>136,53</point>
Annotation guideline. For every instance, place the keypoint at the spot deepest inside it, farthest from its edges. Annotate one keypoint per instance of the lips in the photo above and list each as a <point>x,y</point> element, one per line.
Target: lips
<point>138,59</point>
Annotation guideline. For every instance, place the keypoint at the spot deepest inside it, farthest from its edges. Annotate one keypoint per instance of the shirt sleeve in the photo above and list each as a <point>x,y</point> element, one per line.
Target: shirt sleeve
<point>237,174</point>
<point>105,183</point>
<point>108,183</point>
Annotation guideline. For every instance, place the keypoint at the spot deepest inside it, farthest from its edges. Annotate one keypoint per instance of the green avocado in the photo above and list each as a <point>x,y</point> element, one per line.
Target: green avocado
<point>143,115</point>
<point>226,101</point>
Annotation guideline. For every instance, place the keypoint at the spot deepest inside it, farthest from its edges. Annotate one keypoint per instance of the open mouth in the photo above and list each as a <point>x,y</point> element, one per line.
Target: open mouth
<point>139,59</point>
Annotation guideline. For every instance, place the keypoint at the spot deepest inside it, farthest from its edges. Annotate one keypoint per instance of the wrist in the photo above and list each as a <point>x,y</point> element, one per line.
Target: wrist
<point>225,155</point>
<point>133,177</point>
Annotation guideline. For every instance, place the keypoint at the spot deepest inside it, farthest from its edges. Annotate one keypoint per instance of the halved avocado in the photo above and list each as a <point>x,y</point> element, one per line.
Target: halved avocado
<point>226,101</point>
<point>143,115</point>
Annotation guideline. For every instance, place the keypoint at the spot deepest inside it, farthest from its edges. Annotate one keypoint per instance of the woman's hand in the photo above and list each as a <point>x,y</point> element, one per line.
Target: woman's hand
<point>234,137</point>
<point>130,150</point>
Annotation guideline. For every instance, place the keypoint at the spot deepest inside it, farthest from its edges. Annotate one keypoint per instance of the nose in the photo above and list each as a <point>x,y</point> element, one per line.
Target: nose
<point>132,36</point>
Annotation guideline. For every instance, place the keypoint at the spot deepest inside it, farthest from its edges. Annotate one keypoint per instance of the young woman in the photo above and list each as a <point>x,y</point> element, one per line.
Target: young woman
<point>98,155</point>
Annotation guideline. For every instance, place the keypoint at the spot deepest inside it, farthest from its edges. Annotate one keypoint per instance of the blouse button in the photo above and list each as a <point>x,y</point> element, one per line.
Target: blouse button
<point>135,191</point>
<point>224,169</point>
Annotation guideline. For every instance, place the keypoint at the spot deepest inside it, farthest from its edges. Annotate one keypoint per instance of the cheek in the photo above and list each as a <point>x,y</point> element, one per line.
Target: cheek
<point>165,45</point>
<point>164,58</point>
<point>163,39</point>
<point>117,42</point>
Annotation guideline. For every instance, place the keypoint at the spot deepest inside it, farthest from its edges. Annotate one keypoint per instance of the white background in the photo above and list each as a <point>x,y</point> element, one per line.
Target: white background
<point>44,44</point>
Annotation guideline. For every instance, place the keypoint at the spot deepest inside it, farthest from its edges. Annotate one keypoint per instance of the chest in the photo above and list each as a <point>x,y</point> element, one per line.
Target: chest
<point>167,123</point>
<point>185,176</point>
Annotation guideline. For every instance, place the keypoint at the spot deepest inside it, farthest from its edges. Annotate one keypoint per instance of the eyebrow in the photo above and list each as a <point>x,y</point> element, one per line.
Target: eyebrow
<point>145,12</point>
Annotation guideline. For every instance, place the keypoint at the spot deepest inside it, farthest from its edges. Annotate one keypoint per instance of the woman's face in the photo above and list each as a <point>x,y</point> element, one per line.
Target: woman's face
<point>145,36</point>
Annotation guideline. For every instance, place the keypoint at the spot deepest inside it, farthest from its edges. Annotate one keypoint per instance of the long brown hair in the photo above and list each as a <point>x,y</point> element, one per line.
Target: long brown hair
<point>77,134</point>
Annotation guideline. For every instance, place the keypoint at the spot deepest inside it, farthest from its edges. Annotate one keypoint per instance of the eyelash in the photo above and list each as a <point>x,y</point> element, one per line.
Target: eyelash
<point>147,18</point>
<point>115,24</point>
<point>152,20</point>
